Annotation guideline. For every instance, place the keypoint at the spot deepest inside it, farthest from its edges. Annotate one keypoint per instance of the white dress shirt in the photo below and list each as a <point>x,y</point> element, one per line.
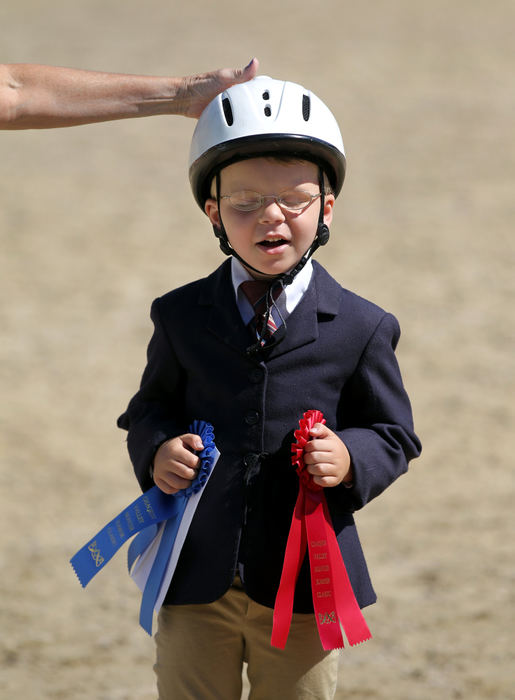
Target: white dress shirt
<point>285,303</point>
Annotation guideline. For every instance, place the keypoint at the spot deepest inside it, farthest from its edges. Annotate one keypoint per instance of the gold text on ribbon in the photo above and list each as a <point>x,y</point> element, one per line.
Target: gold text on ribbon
<point>95,553</point>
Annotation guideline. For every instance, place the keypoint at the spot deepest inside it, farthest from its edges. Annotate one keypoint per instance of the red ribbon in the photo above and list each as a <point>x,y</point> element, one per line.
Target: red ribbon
<point>333,598</point>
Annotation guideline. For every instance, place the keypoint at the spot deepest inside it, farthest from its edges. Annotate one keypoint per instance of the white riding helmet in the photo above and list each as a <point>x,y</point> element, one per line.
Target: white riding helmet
<point>264,117</point>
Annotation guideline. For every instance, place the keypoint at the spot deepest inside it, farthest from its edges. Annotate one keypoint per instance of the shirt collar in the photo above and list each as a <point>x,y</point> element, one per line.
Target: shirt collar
<point>293,292</point>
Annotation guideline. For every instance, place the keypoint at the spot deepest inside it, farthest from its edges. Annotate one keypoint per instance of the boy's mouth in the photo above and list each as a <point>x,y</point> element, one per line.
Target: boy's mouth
<point>272,242</point>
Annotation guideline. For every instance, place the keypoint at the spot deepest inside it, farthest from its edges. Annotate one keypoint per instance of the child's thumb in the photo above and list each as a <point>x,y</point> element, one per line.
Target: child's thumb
<point>193,441</point>
<point>318,430</point>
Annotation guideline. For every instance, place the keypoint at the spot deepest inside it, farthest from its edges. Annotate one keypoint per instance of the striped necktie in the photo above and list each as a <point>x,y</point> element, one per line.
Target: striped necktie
<point>258,294</point>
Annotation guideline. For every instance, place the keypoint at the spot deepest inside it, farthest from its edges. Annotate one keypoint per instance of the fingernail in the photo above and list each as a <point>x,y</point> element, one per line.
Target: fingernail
<point>251,62</point>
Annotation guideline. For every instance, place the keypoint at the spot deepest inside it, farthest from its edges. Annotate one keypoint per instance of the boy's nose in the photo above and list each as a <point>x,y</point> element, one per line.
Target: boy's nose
<point>271,211</point>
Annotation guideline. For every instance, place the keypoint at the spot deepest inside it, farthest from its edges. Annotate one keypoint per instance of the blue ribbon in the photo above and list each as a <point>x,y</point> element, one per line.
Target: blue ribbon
<point>143,516</point>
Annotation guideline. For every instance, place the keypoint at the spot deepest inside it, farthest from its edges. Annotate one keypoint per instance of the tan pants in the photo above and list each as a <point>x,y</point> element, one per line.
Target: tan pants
<point>201,650</point>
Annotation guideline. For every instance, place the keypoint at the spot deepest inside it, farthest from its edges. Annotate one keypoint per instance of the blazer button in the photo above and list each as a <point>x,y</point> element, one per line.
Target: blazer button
<point>250,460</point>
<point>251,417</point>
<point>256,375</point>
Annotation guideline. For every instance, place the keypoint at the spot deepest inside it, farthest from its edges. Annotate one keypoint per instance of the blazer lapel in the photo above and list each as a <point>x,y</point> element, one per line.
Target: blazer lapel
<point>224,319</point>
<point>322,297</point>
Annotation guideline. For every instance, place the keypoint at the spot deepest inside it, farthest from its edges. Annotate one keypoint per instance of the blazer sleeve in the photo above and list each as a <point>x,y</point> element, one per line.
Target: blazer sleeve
<point>151,416</point>
<point>377,419</point>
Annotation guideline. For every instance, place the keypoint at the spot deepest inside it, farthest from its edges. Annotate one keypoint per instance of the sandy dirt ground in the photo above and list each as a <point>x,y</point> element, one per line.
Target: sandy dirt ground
<point>96,221</point>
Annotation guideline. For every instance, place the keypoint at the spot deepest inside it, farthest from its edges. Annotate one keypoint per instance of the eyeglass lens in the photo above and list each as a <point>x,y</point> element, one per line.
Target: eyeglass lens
<point>246,200</point>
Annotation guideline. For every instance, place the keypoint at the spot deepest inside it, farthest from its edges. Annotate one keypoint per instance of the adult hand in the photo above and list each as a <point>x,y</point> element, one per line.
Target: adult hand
<point>198,90</point>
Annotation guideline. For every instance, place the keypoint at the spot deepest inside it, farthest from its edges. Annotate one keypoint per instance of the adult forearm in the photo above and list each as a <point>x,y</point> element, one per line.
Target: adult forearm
<point>39,97</point>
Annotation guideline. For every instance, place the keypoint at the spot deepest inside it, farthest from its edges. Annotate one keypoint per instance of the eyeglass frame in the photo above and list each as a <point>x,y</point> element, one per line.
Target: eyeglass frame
<point>276,198</point>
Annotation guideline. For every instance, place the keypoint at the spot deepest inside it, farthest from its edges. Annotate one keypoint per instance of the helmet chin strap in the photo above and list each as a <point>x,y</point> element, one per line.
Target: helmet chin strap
<point>285,278</point>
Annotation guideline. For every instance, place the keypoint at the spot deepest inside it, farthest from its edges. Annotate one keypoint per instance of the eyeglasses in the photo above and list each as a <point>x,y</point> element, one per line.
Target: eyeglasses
<point>292,200</point>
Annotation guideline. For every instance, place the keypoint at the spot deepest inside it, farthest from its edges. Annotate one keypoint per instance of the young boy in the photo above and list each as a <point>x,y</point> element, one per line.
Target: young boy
<point>266,165</point>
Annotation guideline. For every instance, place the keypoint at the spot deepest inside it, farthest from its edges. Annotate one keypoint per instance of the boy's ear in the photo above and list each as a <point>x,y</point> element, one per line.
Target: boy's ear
<point>211,209</point>
<point>329,200</point>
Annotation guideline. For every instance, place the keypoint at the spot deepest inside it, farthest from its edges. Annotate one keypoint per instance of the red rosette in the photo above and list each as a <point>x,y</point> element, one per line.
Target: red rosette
<point>333,598</point>
<point>297,449</point>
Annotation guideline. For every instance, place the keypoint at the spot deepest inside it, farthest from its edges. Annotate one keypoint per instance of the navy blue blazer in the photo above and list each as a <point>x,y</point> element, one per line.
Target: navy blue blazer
<point>337,357</point>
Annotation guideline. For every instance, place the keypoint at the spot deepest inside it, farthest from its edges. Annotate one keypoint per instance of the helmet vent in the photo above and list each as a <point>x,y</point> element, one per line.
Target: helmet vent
<point>306,107</point>
<point>268,111</point>
<point>226,104</point>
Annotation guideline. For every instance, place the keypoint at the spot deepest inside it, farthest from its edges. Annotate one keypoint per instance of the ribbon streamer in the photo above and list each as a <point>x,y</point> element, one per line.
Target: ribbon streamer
<point>143,516</point>
<point>311,528</point>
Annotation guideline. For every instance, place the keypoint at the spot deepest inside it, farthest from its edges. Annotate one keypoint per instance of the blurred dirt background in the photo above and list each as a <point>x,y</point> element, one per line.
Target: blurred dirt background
<point>96,221</point>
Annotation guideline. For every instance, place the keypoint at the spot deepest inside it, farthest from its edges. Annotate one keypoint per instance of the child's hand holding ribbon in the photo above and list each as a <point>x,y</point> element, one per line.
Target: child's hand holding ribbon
<point>327,458</point>
<point>176,464</point>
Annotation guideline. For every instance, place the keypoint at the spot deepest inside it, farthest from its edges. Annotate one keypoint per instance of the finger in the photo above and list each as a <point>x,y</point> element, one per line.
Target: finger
<point>233,76</point>
<point>174,475</point>
<point>320,430</point>
<point>319,445</point>
<point>250,71</point>
<point>326,481</point>
<point>181,470</point>
<point>171,483</point>
<point>322,469</point>
<point>183,462</point>
<point>192,441</point>
<point>315,458</point>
